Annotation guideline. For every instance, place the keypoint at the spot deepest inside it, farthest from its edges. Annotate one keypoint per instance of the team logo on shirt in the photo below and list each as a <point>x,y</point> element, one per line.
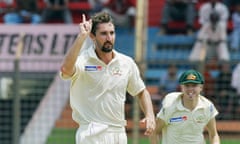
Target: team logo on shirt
<point>178,119</point>
<point>116,71</point>
<point>93,68</point>
<point>200,119</point>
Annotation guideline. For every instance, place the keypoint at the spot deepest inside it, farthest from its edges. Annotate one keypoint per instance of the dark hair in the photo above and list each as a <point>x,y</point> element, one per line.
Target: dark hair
<point>102,17</point>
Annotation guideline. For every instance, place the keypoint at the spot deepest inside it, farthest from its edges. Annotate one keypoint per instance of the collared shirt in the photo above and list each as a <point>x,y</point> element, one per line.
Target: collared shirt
<point>98,91</point>
<point>182,125</point>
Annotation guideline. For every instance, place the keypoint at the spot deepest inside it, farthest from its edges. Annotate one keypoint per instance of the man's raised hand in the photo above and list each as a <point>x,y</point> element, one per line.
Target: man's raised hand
<point>85,26</point>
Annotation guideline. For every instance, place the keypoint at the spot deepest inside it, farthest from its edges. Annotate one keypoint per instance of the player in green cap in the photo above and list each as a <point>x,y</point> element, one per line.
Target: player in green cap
<point>185,115</point>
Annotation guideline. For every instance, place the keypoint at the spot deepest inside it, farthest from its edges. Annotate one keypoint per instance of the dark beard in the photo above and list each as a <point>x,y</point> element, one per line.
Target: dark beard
<point>106,49</point>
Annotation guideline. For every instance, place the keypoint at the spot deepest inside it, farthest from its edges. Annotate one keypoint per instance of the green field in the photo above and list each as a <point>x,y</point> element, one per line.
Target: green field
<point>67,136</point>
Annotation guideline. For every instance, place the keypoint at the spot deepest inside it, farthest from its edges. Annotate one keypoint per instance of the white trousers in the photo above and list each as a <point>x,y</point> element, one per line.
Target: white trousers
<point>202,49</point>
<point>95,133</point>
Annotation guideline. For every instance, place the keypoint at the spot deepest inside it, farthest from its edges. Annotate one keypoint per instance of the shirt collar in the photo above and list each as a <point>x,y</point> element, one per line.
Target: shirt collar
<point>181,107</point>
<point>179,103</point>
<point>200,102</point>
<point>92,53</point>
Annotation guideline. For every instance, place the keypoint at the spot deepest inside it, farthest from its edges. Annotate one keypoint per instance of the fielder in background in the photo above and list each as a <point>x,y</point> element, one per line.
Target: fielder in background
<point>100,77</point>
<point>184,115</point>
<point>211,40</point>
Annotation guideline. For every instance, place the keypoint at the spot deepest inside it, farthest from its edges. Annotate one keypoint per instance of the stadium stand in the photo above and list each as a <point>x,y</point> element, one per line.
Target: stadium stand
<point>155,13</point>
<point>4,8</point>
<point>77,8</point>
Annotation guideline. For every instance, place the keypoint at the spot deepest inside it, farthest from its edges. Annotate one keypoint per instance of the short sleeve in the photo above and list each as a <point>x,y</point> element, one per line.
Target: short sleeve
<point>135,83</point>
<point>162,115</point>
<point>213,111</point>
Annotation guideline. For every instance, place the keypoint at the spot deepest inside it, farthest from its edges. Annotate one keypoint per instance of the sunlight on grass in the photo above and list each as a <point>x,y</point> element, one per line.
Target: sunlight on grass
<point>67,136</point>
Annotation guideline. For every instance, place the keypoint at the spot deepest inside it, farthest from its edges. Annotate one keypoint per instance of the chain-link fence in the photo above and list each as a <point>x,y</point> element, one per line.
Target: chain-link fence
<point>44,112</point>
<point>38,94</point>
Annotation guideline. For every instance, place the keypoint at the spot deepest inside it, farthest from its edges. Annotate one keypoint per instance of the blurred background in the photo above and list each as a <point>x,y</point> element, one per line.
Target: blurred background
<point>35,35</point>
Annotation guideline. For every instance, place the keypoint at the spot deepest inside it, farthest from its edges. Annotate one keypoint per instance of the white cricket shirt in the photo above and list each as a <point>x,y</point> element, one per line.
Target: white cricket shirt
<point>182,125</point>
<point>98,91</point>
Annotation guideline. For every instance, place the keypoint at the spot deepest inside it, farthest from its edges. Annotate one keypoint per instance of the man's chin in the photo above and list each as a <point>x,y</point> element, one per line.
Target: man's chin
<point>107,50</point>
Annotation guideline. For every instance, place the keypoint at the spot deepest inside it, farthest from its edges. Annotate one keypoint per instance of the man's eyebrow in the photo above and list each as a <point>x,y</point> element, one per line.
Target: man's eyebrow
<point>108,31</point>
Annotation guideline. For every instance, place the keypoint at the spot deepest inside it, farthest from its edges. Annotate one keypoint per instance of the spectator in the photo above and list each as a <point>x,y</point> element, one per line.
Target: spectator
<point>236,78</point>
<point>25,12</point>
<point>57,10</point>
<point>178,10</point>
<point>212,37</point>
<point>235,83</point>
<point>235,41</point>
<point>169,81</point>
<point>7,2</point>
<point>230,3</point>
<point>97,5</point>
<point>122,11</point>
<point>6,6</point>
<point>225,92</point>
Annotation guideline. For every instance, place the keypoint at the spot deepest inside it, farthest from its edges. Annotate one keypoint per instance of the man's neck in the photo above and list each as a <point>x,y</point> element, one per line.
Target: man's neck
<point>105,57</point>
<point>189,104</point>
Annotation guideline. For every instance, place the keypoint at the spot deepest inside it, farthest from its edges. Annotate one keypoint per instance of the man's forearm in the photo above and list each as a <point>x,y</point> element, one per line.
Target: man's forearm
<point>70,58</point>
<point>146,104</point>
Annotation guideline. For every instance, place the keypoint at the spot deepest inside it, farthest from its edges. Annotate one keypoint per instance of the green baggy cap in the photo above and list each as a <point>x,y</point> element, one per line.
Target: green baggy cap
<point>191,76</point>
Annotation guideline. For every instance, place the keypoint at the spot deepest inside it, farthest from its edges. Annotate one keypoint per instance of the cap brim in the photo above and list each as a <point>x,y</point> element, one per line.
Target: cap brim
<point>191,81</point>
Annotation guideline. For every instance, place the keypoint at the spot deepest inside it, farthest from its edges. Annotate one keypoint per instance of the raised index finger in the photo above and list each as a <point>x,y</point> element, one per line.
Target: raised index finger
<point>83,18</point>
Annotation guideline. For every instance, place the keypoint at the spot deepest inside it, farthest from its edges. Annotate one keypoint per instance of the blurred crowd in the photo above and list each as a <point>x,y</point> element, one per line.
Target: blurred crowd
<point>46,11</point>
<point>211,20</point>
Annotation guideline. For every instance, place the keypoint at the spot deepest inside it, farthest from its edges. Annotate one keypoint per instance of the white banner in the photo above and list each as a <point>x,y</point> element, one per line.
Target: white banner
<point>39,41</point>
<point>44,46</point>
